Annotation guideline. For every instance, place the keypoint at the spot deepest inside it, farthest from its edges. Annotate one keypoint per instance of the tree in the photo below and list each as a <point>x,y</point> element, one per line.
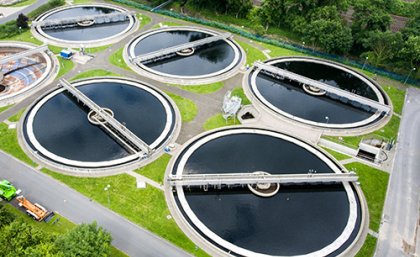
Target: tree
<point>5,217</point>
<point>383,46</point>
<point>368,16</point>
<point>86,240</point>
<point>271,13</point>
<point>331,36</point>
<point>410,53</point>
<point>22,21</point>
<point>18,237</point>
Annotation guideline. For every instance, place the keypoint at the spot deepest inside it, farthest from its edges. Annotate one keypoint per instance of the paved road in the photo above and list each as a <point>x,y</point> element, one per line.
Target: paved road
<point>401,213</point>
<point>56,196</point>
<point>26,10</point>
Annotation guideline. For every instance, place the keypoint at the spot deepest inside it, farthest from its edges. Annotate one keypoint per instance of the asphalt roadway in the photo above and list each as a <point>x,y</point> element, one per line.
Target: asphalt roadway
<point>25,11</point>
<point>127,236</point>
<point>400,233</point>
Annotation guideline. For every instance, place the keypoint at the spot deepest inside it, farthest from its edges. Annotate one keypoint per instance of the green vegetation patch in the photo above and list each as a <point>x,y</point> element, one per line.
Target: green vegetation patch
<point>389,131</point>
<point>155,170</point>
<point>2,109</point>
<point>25,37</point>
<point>117,59</point>
<point>218,121</point>
<point>187,108</point>
<point>374,184</point>
<point>202,89</point>
<point>276,51</point>
<point>167,23</point>
<point>368,248</point>
<point>145,207</point>
<point>17,116</point>
<point>65,66</point>
<point>397,97</point>
<point>9,143</point>
<point>144,19</point>
<point>337,155</point>
<point>95,73</point>
<point>58,224</point>
<point>253,54</point>
<point>239,92</point>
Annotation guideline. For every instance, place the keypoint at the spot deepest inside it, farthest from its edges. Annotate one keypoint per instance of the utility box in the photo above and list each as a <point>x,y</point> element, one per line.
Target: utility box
<point>66,54</point>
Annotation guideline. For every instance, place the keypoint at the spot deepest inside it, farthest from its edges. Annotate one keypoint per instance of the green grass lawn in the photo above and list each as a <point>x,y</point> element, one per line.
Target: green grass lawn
<point>167,23</point>
<point>58,224</point>
<point>218,121</point>
<point>55,49</point>
<point>93,50</point>
<point>26,37</point>
<point>238,91</point>
<point>397,97</point>
<point>61,226</point>
<point>374,184</point>
<point>202,89</point>
<point>82,1</point>
<point>65,66</point>
<point>187,108</point>
<point>156,169</point>
<point>389,131</point>
<point>95,73</point>
<point>10,145</point>
<point>368,248</point>
<point>276,51</point>
<point>144,19</point>
<point>252,54</point>
<point>145,207</point>
<point>117,59</point>
<point>337,155</point>
<point>2,109</point>
<point>16,117</point>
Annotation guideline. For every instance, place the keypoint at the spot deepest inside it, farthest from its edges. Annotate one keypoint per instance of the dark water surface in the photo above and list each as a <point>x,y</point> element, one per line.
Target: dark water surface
<point>61,125</point>
<point>93,32</point>
<point>297,220</point>
<point>208,59</point>
<point>291,98</point>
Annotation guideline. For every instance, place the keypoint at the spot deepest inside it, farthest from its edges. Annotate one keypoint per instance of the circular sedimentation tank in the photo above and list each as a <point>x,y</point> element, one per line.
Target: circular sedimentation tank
<point>60,130</point>
<point>202,64</point>
<point>313,106</point>
<point>21,76</point>
<point>296,220</point>
<point>85,33</point>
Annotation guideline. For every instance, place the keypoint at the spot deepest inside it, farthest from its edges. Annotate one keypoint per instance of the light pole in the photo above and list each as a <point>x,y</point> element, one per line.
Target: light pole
<point>364,63</point>
<point>303,43</point>
<point>327,118</point>
<point>107,189</point>
<point>413,69</point>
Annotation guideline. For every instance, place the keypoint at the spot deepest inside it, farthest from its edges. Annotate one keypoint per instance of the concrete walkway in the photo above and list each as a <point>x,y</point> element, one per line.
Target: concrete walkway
<point>145,179</point>
<point>399,234</point>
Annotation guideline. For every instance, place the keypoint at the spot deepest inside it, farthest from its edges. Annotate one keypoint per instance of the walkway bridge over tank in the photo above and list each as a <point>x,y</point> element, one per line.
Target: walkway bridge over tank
<point>171,51</point>
<point>117,130</point>
<point>259,178</point>
<point>14,57</point>
<point>79,20</point>
<point>279,73</point>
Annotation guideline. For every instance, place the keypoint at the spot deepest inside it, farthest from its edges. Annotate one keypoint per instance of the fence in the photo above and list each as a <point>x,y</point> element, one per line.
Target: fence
<point>279,43</point>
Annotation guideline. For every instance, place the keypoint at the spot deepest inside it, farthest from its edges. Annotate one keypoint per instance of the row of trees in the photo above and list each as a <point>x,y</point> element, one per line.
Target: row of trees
<point>18,238</point>
<point>321,24</point>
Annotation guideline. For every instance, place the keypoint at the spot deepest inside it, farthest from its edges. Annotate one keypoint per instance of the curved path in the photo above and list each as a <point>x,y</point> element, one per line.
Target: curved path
<point>128,237</point>
<point>400,232</point>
